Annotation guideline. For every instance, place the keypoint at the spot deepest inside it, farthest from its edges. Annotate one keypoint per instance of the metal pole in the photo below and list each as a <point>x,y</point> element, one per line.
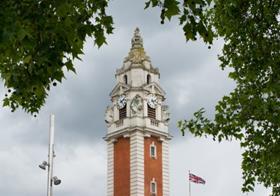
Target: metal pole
<point>189,185</point>
<point>51,155</point>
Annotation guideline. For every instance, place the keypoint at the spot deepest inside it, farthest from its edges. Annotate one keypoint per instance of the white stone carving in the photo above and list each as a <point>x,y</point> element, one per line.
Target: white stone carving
<point>154,88</point>
<point>136,106</point>
<point>165,114</point>
<point>109,116</point>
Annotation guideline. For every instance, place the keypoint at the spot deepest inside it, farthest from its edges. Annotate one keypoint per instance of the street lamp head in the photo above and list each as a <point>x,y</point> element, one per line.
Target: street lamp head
<point>43,165</point>
<point>56,181</point>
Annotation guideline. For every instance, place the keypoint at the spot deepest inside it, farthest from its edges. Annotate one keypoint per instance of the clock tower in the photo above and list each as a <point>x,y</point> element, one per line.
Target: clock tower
<point>137,129</point>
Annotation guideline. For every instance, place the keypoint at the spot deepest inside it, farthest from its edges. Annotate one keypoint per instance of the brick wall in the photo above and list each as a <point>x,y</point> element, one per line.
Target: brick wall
<point>153,166</point>
<point>122,167</point>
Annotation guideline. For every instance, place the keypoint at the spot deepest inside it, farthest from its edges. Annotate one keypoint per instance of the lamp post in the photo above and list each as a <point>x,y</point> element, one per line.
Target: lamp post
<point>51,179</point>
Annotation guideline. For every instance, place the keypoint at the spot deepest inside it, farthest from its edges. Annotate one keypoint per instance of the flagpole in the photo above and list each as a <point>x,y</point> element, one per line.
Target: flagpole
<point>189,185</point>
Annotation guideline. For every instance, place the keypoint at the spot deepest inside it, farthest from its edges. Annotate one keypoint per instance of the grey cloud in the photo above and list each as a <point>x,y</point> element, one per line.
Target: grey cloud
<point>130,14</point>
<point>189,74</point>
<point>217,163</point>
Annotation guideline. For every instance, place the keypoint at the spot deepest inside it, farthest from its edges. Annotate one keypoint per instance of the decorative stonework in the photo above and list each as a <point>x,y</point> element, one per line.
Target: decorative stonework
<point>165,114</point>
<point>119,89</point>
<point>154,88</point>
<point>109,116</point>
<point>137,41</point>
<point>137,53</point>
<point>136,106</point>
<point>137,57</point>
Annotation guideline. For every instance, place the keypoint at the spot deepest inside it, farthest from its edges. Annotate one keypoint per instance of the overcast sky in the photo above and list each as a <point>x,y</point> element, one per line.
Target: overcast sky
<point>192,79</point>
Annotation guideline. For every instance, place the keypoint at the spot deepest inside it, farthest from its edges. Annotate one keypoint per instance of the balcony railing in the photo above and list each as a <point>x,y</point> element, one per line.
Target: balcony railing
<point>154,122</point>
<point>119,123</point>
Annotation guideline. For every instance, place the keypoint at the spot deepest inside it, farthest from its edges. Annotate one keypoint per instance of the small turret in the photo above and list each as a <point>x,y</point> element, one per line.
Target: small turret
<point>136,41</point>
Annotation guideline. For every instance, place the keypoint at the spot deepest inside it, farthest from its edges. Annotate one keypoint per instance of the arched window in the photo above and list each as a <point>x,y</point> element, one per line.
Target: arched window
<point>122,113</point>
<point>153,187</point>
<point>125,79</point>
<point>148,79</point>
<point>153,151</point>
<point>151,112</point>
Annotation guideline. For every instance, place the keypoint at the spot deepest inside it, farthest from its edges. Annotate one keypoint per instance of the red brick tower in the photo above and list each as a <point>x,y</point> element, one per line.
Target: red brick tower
<point>137,134</point>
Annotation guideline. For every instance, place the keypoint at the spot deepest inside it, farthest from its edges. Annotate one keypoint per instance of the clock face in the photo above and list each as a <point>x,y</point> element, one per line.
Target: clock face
<point>152,101</point>
<point>121,101</point>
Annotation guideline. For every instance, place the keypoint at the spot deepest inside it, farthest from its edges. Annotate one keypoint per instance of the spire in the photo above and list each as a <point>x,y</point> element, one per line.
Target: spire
<point>137,53</point>
<point>137,56</point>
<point>136,41</point>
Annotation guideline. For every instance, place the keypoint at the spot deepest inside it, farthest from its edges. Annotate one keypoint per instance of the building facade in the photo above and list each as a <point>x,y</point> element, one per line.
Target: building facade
<point>137,129</point>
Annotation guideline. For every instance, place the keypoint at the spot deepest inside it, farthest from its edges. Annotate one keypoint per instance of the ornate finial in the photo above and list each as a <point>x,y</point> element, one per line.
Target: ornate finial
<point>137,41</point>
<point>137,32</point>
<point>137,56</point>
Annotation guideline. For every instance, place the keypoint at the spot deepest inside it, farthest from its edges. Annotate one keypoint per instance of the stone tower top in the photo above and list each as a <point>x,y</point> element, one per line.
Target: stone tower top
<point>137,57</point>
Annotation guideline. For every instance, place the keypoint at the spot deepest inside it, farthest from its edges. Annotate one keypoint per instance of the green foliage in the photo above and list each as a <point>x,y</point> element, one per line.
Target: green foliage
<point>39,41</point>
<point>194,16</point>
<point>251,113</point>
